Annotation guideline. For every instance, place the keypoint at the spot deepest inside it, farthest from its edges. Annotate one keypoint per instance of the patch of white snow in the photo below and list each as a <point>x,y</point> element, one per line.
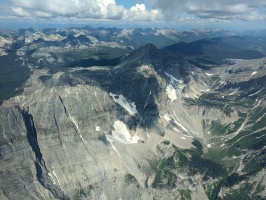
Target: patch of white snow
<point>254,93</point>
<point>121,134</point>
<point>178,84</point>
<point>170,90</point>
<point>167,118</point>
<point>49,174</point>
<point>208,74</point>
<point>121,100</point>
<point>176,130</point>
<point>97,128</point>
<point>57,179</point>
<point>253,73</point>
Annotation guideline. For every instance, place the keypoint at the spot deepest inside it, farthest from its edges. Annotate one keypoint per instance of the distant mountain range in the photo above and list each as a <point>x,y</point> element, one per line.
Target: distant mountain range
<point>87,46</point>
<point>125,37</point>
<point>221,50</point>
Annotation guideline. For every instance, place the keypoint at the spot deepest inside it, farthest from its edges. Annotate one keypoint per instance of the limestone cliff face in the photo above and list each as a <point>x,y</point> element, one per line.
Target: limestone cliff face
<point>84,132</point>
<point>99,132</point>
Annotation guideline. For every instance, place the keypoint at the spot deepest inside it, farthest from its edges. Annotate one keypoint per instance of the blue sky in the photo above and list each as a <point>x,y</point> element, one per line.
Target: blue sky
<point>186,14</point>
<point>126,3</point>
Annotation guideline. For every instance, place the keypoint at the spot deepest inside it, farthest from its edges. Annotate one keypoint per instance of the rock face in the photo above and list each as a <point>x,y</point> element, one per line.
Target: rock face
<point>133,131</point>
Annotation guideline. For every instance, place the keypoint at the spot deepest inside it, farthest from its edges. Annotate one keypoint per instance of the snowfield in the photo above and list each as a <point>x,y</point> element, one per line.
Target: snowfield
<point>121,134</point>
<point>121,100</point>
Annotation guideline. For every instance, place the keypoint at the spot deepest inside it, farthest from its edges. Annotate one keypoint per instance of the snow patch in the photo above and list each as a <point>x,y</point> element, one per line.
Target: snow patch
<point>178,84</point>
<point>53,172</point>
<point>111,141</point>
<point>74,122</point>
<point>170,91</point>
<point>121,100</point>
<point>176,130</point>
<point>97,128</point>
<point>121,134</point>
<point>49,174</point>
<point>167,118</point>
<point>254,93</point>
<point>209,145</point>
<point>194,132</point>
<point>147,100</point>
<point>253,73</point>
<point>208,74</point>
<point>174,84</point>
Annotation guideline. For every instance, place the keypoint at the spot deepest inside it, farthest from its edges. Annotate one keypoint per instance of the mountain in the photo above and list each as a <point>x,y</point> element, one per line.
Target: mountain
<point>134,37</point>
<point>222,50</point>
<point>153,126</point>
<point>24,50</point>
<point>256,32</point>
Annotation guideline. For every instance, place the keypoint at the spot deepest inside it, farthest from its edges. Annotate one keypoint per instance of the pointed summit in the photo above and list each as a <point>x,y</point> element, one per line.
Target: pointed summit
<point>88,27</point>
<point>149,46</point>
<point>146,54</point>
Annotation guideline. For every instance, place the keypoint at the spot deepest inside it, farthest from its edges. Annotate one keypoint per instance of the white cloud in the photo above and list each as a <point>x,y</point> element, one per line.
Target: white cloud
<point>167,10</point>
<point>104,9</point>
<point>140,13</point>
<point>20,12</point>
<point>82,9</point>
<point>216,9</point>
<point>254,16</point>
<point>194,20</point>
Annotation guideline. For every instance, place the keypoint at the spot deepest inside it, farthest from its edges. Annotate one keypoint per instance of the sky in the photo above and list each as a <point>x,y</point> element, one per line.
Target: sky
<point>227,14</point>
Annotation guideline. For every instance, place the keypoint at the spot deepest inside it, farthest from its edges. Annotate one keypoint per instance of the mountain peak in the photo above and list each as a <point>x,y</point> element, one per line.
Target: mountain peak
<point>88,27</point>
<point>149,46</point>
<point>145,54</point>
